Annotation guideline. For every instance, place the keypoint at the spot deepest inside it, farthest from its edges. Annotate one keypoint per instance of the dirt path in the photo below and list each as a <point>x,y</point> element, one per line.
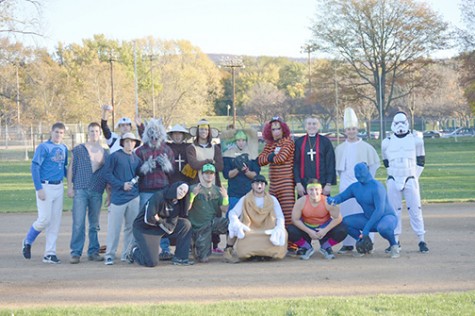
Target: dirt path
<point>448,267</point>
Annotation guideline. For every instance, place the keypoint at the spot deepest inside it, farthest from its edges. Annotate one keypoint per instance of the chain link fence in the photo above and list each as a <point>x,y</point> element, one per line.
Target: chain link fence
<point>19,142</point>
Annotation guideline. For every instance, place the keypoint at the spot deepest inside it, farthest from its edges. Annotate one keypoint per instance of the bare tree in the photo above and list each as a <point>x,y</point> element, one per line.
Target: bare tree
<point>379,39</point>
<point>265,101</point>
<point>20,17</point>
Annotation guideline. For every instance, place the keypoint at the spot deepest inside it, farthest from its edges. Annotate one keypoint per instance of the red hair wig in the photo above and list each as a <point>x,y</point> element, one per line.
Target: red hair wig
<point>267,130</point>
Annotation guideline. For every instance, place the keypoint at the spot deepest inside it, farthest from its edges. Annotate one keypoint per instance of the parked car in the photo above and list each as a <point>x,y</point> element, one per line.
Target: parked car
<point>461,132</point>
<point>431,134</point>
<point>333,136</point>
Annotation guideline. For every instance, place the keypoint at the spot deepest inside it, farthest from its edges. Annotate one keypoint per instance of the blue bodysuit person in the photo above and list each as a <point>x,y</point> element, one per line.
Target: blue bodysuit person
<point>379,215</point>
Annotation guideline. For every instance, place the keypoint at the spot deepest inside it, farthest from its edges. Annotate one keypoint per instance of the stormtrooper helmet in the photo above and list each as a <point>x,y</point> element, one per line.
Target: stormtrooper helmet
<point>400,124</point>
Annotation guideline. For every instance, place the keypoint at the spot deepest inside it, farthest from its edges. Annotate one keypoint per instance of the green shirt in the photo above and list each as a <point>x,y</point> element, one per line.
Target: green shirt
<point>206,206</point>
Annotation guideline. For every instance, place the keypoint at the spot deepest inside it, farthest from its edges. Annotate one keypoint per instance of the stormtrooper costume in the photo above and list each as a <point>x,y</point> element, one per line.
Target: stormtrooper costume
<point>404,157</point>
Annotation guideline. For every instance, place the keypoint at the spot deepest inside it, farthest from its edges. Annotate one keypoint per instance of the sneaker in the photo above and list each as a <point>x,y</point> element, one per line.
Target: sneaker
<point>395,251</point>
<point>51,259</point>
<point>307,254</point>
<point>26,249</point>
<point>129,256</point>
<point>345,249</point>
<point>230,256</point>
<point>74,260</point>
<point>423,247</point>
<point>218,251</point>
<point>165,256</point>
<point>388,250</point>
<point>327,253</point>
<point>300,251</point>
<point>182,262</point>
<point>95,257</point>
<point>109,262</point>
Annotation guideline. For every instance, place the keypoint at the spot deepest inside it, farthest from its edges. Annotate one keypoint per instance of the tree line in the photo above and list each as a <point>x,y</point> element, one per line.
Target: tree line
<point>376,60</point>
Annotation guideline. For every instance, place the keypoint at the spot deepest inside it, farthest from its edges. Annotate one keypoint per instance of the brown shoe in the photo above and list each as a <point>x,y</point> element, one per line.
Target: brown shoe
<point>230,255</point>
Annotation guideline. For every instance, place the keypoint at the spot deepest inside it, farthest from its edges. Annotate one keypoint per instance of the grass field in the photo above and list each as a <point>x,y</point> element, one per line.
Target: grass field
<point>449,176</point>
<point>424,304</point>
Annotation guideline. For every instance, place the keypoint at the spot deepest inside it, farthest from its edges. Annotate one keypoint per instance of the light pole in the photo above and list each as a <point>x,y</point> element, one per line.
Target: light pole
<point>381,129</point>
<point>111,61</point>
<point>151,58</point>
<point>309,48</point>
<point>233,63</point>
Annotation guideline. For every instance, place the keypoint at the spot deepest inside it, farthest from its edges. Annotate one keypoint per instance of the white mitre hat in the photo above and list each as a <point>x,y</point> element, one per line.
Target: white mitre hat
<point>350,119</point>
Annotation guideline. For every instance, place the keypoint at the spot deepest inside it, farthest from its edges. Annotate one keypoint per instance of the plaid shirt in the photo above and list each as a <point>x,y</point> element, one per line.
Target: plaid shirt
<point>157,179</point>
<point>83,177</point>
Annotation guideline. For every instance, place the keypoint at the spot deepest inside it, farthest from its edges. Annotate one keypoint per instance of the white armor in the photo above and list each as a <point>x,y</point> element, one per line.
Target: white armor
<point>400,155</point>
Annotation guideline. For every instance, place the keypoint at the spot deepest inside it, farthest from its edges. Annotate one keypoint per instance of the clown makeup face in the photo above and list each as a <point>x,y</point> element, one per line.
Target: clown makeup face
<point>276,130</point>
<point>177,137</point>
<point>258,188</point>
<point>351,134</point>
<point>181,191</point>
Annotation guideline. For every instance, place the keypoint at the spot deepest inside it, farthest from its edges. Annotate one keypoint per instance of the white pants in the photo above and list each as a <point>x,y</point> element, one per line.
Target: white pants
<point>116,214</point>
<point>49,215</point>
<point>413,203</point>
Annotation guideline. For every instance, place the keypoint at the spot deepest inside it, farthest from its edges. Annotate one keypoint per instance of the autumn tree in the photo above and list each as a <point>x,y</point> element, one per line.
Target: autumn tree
<point>378,39</point>
<point>265,101</point>
<point>467,44</point>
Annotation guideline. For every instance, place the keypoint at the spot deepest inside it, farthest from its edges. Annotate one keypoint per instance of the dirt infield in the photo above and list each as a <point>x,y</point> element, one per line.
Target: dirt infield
<point>448,267</point>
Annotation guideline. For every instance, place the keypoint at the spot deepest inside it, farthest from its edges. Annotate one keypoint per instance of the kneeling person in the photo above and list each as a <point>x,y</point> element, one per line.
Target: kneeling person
<point>258,223</point>
<point>379,216</point>
<point>207,204</point>
<point>314,219</point>
<point>162,216</point>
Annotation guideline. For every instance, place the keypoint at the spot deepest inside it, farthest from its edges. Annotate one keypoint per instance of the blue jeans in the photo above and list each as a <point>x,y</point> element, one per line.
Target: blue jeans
<point>85,202</point>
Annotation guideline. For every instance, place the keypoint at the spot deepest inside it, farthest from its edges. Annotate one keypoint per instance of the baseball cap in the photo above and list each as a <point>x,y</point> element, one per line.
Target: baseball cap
<point>208,168</point>
<point>259,178</point>
<point>124,120</point>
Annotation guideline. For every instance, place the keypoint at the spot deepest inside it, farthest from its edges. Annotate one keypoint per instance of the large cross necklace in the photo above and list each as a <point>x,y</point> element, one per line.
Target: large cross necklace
<point>311,152</point>
<point>179,160</point>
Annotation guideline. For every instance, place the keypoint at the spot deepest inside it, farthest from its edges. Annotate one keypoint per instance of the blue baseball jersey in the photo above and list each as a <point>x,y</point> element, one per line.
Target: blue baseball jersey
<point>49,163</point>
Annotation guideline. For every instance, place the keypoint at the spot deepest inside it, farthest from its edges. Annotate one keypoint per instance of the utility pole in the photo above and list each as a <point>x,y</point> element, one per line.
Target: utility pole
<point>233,63</point>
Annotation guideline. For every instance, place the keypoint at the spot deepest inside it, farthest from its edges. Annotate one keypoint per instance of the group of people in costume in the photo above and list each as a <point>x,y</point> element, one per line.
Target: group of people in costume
<point>163,190</point>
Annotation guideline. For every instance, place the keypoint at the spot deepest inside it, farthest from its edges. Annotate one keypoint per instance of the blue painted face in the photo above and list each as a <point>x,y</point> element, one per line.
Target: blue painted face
<point>362,173</point>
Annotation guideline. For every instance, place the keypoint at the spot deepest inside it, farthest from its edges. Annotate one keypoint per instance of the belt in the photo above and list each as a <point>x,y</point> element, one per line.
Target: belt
<point>52,182</point>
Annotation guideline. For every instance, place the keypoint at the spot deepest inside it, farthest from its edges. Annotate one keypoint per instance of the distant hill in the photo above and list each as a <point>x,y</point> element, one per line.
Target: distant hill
<point>217,58</point>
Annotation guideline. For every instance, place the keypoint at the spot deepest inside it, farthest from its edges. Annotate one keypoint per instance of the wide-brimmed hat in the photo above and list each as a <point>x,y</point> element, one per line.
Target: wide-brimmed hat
<point>177,128</point>
<point>131,136</point>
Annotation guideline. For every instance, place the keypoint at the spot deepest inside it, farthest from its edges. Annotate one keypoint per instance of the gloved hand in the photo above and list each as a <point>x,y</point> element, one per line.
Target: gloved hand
<point>277,235</point>
<point>364,245</point>
<point>270,158</point>
<point>164,162</point>
<point>331,200</point>
<point>241,161</point>
<point>148,165</point>
<point>237,229</point>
